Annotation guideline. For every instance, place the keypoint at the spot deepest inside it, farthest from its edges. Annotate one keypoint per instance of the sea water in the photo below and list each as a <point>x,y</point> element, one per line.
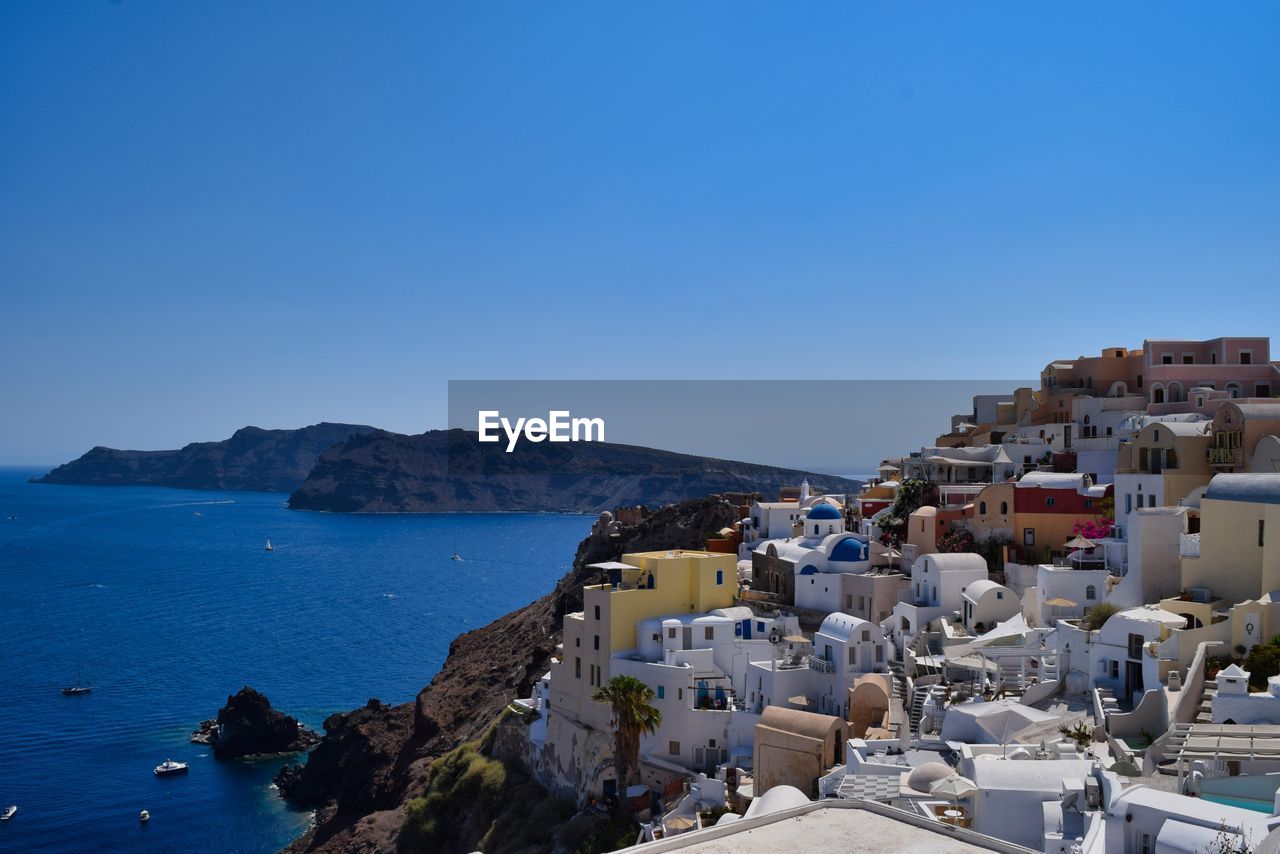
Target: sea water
<point>168,602</point>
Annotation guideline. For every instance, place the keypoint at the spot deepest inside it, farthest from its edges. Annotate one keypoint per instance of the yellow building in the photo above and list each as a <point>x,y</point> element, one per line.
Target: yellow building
<point>1237,555</point>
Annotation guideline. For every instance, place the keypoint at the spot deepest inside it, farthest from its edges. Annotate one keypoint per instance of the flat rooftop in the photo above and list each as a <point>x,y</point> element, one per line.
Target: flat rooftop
<point>830,829</point>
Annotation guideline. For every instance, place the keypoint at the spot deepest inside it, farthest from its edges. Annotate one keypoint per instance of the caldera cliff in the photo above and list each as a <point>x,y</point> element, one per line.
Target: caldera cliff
<point>373,761</point>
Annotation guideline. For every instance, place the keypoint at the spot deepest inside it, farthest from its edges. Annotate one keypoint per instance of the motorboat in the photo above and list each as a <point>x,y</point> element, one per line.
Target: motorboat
<point>144,816</point>
<point>169,768</point>
<point>8,812</point>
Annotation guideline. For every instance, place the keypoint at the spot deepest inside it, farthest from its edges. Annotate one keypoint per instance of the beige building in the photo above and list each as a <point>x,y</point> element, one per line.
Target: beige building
<point>1162,465</point>
<point>796,748</point>
<point>1237,429</point>
<point>1237,552</point>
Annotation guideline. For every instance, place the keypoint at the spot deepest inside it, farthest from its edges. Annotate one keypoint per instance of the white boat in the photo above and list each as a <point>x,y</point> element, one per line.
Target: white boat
<point>456,556</point>
<point>168,768</point>
<point>8,812</point>
<point>144,816</point>
<point>269,547</point>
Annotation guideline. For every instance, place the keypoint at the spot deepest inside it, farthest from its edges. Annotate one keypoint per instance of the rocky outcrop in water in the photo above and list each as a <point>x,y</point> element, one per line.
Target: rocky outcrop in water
<point>248,726</point>
<point>374,760</point>
<point>449,470</point>
<point>252,459</point>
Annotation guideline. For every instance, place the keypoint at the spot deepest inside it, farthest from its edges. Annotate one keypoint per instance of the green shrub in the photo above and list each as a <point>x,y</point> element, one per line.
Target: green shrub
<point>1096,616</point>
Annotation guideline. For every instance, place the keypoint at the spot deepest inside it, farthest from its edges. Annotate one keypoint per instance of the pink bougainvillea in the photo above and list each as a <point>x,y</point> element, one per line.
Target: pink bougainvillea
<point>1093,529</point>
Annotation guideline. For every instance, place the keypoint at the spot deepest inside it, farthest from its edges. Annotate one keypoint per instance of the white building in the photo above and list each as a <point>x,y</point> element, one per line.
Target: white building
<point>937,585</point>
<point>844,648</point>
<point>696,665</point>
<point>1234,703</point>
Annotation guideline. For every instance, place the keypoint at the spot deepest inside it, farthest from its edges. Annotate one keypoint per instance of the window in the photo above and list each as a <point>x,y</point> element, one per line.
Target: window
<point>597,612</point>
<point>719,577</point>
<point>1135,646</point>
<point>1246,357</point>
<point>708,633</point>
<point>1090,593</point>
<point>671,633</point>
<point>1128,502</point>
<point>760,625</point>
<point>597,641</point>
<point>1261,532</point>
<point>999,594</point>
<point>1088,502</point>
<point>1028,536</point>
<point>680,693</point>
<point>662,692</point>
<point>1004,508</point>
<point>1166,359</point>
<point>577,668</point>
<point>1262,390</point>
<point>1188,359</point>
<point>848,600</point>
<point>866,635</point>
<point>1115,669</point>
<point>815,530</point>
<point>853,656</point>
<point>1050,501</point>
<point>673,748</point>
<point>879,654</point>
<point>1151,500</point>
<point>577,642</point>
<point>982,507</point>
<point>1139,380</point>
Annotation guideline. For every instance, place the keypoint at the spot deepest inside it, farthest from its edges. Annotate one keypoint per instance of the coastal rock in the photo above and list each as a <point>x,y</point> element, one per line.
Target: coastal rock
<point>449,470</point>
<point>373,760</point>
<point>252,459</point>
<point>248,726</point>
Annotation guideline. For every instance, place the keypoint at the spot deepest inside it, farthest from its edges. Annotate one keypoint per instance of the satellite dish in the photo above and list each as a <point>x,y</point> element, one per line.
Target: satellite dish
<point>775,635</point>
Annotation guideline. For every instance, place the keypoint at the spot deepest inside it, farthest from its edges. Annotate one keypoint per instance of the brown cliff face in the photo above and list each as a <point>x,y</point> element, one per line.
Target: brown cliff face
<point>374,760</point>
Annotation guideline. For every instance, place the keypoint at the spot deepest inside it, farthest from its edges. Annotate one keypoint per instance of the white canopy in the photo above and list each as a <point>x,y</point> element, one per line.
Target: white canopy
<point>1014,627</point>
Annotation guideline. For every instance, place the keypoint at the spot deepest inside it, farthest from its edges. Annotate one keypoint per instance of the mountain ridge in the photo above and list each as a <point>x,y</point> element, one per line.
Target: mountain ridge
<point>451,471</point>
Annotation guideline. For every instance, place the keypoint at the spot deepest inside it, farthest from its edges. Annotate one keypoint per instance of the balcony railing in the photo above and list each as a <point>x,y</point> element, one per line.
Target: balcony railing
<point>1223,456</point>
<point>821,664</point>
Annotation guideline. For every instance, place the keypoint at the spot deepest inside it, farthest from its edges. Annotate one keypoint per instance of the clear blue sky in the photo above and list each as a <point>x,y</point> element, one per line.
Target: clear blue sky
<point>214,214</point>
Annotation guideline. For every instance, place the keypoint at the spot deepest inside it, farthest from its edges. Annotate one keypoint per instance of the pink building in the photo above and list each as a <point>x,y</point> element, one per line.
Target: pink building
<point>1241,367</point>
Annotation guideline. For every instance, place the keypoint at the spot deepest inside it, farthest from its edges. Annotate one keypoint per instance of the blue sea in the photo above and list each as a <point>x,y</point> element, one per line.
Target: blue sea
<point>168,602</point>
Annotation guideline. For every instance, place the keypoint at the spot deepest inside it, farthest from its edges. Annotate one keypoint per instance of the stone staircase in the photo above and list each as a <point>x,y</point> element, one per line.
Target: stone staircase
<point>1204,714</point>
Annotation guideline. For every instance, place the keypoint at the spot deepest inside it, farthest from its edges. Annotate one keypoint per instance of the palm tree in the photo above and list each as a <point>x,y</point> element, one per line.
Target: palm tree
<point>632,716</point>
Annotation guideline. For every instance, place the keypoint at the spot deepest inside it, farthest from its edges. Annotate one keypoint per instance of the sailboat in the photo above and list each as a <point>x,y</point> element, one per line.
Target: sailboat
<point>455,556</point>
<point>76,689</point>
<point>269,547</point>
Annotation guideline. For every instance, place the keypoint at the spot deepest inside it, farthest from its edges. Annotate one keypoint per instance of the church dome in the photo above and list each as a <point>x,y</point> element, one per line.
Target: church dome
<point>849,550</point>
<point>823,511</point>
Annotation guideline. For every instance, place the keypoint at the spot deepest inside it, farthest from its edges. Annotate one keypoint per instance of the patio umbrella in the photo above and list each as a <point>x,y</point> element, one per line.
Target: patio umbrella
<point>1061,602</point>
<point>1004,724</point>
<point>953,788</point>
<point>1081,543</point>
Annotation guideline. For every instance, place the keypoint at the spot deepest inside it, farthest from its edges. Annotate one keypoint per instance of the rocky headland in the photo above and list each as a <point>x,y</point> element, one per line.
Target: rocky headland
<point>367,776</point>
<point>252,459</point>
<point>248,726</point>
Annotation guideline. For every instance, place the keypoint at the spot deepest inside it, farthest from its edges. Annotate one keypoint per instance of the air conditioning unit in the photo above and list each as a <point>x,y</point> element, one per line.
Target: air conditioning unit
<point>1202,595</point>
